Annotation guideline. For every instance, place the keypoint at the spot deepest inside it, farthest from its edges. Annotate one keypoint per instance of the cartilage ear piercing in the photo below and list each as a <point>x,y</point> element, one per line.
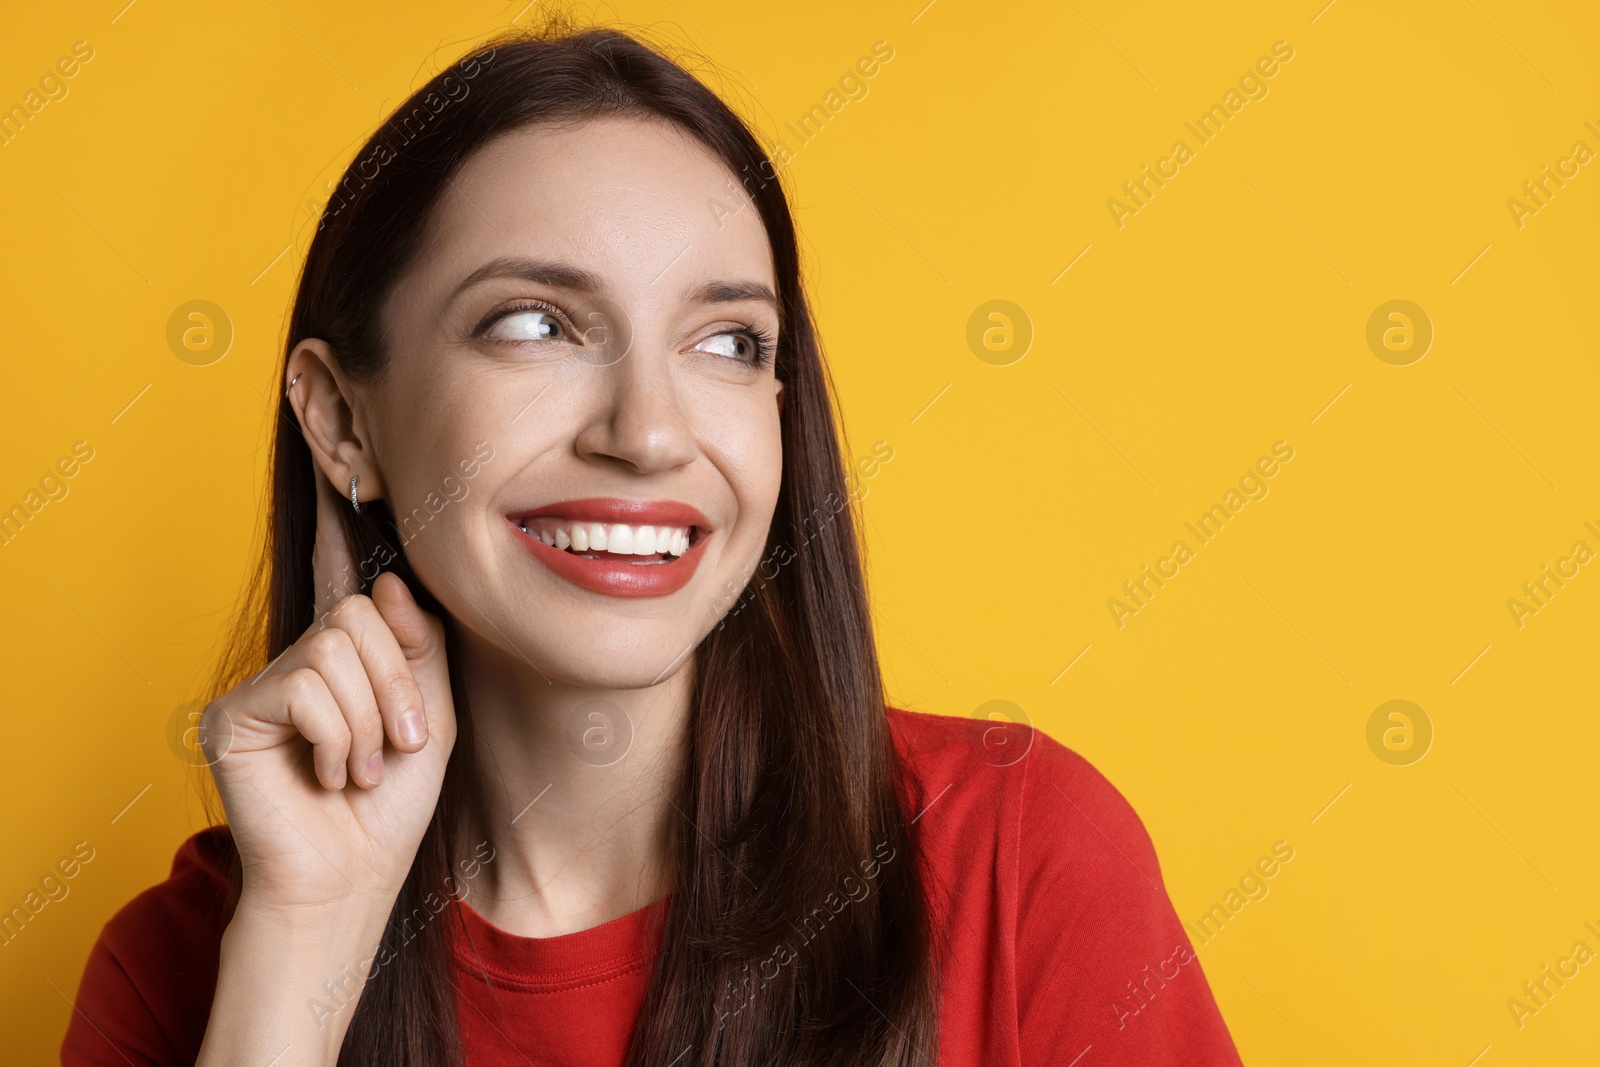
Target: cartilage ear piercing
<point>353,501</point>
<point>296,378</point>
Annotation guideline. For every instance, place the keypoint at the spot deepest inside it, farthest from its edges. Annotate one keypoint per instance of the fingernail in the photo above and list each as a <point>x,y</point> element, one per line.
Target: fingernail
<point>338,778</point>
<point>411,731</point>
<point>375,766</point>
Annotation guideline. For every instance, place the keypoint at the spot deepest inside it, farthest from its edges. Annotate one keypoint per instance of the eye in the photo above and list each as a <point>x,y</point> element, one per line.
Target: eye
<point>733,345</point>
<point>527,323</point>
<point>748,346</point>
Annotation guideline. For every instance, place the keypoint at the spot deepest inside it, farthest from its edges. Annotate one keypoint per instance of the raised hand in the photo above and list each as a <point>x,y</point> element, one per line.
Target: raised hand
<point>329,763</point>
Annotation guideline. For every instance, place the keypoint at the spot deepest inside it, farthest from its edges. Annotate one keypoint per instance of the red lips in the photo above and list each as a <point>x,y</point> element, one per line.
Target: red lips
<point>618,577</point>
<point>617,509</point>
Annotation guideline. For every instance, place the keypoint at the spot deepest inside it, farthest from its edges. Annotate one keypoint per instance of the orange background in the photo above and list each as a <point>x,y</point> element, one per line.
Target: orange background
<point>1164,357</point>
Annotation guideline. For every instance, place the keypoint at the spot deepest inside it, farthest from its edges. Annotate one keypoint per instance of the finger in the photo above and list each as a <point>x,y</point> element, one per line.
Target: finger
<point>421,640</point>
<point>332,654</point>
<point>333,563</point>
<point>301,699</point>
<point>388,672</point>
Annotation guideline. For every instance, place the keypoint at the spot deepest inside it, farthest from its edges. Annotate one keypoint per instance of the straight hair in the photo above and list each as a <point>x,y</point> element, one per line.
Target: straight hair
<point>792,791</point>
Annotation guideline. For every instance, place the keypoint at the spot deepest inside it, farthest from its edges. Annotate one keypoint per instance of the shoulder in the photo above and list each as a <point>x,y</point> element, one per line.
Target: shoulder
<point>1056,801</point>
<point>1034,852</point>
<point>148,982</point>
<point>1038,818</point>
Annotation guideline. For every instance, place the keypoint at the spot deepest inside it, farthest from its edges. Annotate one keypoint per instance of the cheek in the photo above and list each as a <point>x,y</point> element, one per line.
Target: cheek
<point>438,481</point>
<point>427,472</point>
<point>769,461</point>
<point>452,542</point>
<point>753,465</point>
<point>757,487</point>
<point>428,433</point>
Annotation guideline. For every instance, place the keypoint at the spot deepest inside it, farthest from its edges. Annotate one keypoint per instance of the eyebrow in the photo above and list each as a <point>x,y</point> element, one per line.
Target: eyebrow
<point>560,275</point>
<point>727,292</point>
<point>566,276</point>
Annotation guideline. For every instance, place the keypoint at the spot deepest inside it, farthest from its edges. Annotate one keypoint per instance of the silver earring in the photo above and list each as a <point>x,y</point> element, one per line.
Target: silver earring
<point>353,501</point>
<point>296,378</point>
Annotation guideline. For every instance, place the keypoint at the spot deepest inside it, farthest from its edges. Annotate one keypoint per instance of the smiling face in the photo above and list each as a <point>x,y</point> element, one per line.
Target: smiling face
<point>585,332</point>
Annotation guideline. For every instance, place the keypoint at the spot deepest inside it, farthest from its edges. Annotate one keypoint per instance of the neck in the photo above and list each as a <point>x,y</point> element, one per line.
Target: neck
<point>574,790</point>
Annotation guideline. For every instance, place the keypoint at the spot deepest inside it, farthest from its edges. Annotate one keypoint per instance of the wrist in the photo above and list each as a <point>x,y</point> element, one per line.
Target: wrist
<point>348,917</point>
<point>294,975</point>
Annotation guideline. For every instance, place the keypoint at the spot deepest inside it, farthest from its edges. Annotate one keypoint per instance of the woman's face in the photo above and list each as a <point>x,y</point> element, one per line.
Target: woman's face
<point>578,328</point>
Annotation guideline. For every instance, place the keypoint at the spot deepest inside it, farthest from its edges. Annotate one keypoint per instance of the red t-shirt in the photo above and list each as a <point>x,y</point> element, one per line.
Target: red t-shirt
<point>1065,949</point>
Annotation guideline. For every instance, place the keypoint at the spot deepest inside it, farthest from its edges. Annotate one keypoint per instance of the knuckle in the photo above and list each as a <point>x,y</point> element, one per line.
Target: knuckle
<point>302,684</point>
<point>367,723</point>
<point>212,716</point>
<point>212,711</point>
<point>351,606</point>
<point>336,745</point>
<point>402,687</point>
<point>326,643</point>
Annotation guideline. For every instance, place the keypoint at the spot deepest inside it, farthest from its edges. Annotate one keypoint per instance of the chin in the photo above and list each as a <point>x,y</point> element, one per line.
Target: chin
<point>610,651</point>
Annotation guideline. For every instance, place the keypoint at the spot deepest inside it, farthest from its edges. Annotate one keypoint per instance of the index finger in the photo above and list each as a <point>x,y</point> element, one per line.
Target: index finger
<point>333,564</point>
<point>396,689</point>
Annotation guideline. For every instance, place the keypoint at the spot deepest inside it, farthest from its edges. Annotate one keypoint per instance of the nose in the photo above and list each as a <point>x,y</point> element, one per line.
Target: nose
<point>640,420</point>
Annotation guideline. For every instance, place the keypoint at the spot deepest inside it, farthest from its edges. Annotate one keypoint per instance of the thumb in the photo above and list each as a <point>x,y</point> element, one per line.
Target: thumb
<point>333,564</point>
<point>421,639</point>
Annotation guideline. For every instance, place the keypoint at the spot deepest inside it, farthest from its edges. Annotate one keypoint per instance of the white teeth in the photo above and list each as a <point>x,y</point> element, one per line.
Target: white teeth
<point>616,537</point>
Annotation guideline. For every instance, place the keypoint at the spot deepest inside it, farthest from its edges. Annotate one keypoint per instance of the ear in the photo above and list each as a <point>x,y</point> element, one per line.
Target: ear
<point>332,417</point>
<point>777,386</point>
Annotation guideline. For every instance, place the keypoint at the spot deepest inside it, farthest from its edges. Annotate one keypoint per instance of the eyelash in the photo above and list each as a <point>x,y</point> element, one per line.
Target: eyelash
<point>766,349</point>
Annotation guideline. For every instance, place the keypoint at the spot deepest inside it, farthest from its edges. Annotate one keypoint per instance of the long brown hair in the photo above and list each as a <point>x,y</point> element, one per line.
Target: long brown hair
<point>792,779</point>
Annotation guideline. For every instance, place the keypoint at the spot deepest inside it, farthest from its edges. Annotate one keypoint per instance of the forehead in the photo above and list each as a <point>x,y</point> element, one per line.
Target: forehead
<point>637,201</point>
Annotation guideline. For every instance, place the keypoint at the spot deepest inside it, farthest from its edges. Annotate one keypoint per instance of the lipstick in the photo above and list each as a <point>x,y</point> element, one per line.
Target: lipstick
<point>581,530</point>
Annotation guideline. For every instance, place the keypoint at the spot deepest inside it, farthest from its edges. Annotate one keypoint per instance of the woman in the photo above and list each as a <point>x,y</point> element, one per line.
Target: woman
<point>558,736</point>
